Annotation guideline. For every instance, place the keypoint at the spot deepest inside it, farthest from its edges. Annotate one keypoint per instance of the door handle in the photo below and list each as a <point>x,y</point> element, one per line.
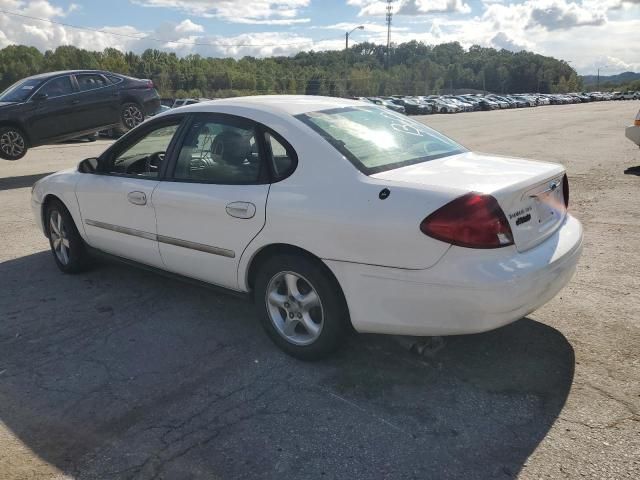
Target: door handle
<point>244,210</point>
<point>75,102</point>
<point>137,198</point>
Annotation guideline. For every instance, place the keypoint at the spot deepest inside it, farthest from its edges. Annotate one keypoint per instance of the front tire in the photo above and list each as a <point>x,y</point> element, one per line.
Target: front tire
<point>13,143</point>
<point>67,246</point>
<point>301,306</point>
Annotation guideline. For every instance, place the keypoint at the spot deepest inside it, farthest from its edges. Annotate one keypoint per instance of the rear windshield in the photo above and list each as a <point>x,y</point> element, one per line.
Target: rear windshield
<point>20,91</point>
<point>375,139</point>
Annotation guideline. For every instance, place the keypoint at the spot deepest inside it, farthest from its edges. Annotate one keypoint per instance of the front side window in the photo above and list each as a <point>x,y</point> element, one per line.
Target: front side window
<point>91,82</point>
<point>58,87</point>
<point>20,91</point>
<point>217,151</point>
<point>375,139</point>
<point>145,156</point>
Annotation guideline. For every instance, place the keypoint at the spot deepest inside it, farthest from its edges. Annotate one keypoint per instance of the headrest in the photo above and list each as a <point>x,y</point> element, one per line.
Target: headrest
<point>231,146</point>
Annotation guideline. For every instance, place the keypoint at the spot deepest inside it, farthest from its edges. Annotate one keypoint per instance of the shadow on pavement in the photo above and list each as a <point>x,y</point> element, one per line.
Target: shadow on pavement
<point>119,373</point>
<point>9,183</point>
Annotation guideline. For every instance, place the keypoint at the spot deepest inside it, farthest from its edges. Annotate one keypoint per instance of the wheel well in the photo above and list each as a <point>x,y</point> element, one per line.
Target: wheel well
<point>126,100</point>
<point>275,249</point>
<point>46,202</point>
<point>19,127</point>
<point>283,248</point>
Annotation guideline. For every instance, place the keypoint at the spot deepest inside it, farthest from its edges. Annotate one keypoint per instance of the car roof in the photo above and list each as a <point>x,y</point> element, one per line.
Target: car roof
<point>44,76</point>
<point>279,104</point>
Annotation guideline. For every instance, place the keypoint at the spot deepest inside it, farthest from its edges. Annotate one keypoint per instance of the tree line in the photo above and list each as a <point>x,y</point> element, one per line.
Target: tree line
<point>413,68</point>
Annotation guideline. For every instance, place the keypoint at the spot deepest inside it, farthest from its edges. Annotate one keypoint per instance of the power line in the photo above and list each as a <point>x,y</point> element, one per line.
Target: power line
<point>178,42</point>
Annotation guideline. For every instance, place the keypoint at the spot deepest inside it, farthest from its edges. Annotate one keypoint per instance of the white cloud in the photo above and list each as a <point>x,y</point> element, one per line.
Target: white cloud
<point>546,14</point>
<point>284,12</point>
<point>368,27</point>
<point>410,7</point>
<point>187,26</point>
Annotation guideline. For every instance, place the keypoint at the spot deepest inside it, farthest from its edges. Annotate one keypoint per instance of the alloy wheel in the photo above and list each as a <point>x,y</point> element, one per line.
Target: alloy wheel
<point>295,308</point>
<point>12,143</point>
<point>59,238</point>
<point>132,116</point>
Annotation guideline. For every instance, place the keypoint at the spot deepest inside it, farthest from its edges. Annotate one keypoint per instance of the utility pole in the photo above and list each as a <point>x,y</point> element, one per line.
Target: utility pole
<point>389,17</point>
<point>598,81</point>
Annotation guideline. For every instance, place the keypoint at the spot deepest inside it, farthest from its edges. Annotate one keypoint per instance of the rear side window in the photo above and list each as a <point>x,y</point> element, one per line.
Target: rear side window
<point>114,79</point>
<point>283,158</point>
<point>91,81</point>
<point>219,151</point>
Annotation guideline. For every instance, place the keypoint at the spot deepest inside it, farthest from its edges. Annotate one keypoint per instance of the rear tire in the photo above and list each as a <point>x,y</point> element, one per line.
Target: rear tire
<point>13,143</point>
<point>68,248</point>
<point>301,306</point>
<point>131,115</point>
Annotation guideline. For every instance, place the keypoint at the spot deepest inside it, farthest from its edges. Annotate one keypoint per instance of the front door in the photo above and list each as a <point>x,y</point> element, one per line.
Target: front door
<point>54,115</point>
<point>213,203</point>
<point>116,202</point>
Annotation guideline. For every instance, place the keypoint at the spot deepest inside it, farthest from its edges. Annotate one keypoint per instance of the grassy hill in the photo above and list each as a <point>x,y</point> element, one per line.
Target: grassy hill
<point>611,80</point>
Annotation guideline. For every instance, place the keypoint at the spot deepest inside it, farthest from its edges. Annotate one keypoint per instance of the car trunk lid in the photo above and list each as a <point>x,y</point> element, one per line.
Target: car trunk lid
<point>529,192</point>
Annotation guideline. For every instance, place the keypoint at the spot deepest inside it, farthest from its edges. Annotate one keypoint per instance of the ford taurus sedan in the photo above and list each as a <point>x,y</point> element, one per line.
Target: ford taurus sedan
<point>332,214</point>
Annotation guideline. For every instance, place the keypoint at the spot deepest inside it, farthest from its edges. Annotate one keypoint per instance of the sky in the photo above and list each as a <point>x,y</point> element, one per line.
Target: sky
<point>590,34</point>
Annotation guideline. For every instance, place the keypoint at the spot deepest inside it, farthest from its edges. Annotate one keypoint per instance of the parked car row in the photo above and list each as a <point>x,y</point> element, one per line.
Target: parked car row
<point>628,95</point>
<point>428,104</point>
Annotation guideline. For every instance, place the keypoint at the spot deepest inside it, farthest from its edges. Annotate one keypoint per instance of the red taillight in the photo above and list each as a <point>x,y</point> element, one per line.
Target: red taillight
<point>150,84</point>
<point>473,220</point>
<point>565,190</point>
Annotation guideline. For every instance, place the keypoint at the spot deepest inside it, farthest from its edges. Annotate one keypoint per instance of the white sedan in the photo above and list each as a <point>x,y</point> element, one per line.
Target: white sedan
<point>333,214</point>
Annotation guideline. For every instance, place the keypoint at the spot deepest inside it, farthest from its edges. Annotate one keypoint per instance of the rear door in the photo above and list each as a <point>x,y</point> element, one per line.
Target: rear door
<point>213,203</point>
<point>98,101</point>
<point>116,205</point>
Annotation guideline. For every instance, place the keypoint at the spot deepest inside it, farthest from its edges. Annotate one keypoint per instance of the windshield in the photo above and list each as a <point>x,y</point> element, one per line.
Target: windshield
<point>376,139</point>
<point>20,91</point>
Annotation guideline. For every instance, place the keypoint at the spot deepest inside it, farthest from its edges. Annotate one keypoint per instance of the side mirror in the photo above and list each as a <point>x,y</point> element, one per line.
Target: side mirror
<point>40,97</point>
<point>88,165</point>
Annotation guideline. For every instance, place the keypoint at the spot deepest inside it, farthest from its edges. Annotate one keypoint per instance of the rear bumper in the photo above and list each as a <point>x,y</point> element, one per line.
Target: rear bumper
<point>467,291</point>
<point>150,101</point>
<point>633,133</point>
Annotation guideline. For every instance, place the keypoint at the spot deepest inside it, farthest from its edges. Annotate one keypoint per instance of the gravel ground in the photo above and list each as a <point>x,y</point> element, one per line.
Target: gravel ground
<point>119,373</point>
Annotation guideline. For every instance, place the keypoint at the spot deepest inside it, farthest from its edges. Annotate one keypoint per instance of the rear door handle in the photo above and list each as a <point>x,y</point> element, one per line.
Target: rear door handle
<point>137,198</point>
<point>241,209</point>
<point>75,102</point>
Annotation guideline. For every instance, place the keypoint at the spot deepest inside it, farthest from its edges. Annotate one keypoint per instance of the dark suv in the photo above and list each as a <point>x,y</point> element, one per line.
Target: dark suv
<point>59,106</point>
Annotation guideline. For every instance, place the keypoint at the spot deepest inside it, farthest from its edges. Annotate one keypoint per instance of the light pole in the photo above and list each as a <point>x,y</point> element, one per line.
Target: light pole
<point>346,54</point>
<point>346,35</point>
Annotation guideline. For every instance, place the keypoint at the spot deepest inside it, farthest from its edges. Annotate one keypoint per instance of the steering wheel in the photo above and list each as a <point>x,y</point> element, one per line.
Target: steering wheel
<point>154,161</point>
